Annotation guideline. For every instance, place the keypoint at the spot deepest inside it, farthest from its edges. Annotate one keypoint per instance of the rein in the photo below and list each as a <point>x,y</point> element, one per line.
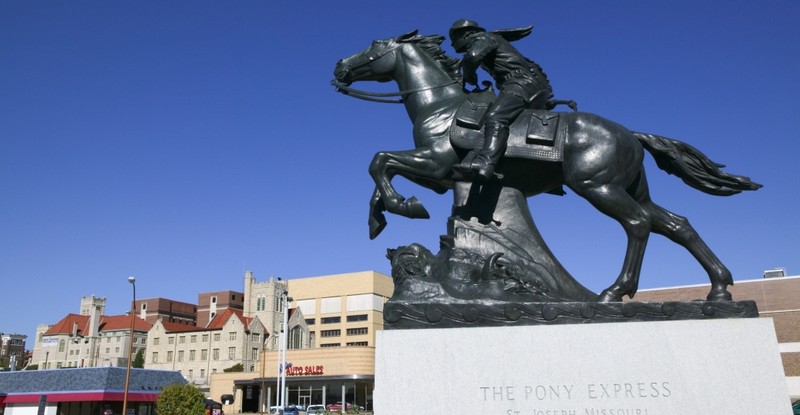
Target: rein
<point>379,96</point>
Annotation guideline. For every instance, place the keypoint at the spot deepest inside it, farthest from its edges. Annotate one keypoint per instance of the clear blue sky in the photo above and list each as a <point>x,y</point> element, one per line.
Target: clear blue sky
<point>183,142</point>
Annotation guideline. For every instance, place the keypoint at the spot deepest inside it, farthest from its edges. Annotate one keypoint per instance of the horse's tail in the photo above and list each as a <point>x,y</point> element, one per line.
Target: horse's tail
<point>694,167</point>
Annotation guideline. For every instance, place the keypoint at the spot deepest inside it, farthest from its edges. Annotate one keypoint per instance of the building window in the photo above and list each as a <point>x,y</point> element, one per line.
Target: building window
<point>191,355</point>
<point>311,321</point>
<point>182,340</point>
<point>357,317</point>
<point>180,355</point>
<point>213,299</point>
<point>231,353</point>
<point>330,320</point>
<point>155,357</point>
<point>155,341</point>
<point>205,338</point>
<point>232,335</point>
<point>256,337</point>
<point>357,331</point>
<point>108,350</point>
<point>358,344</point>
<point>296,338</point>
<point>61,344</point>
<point>215,354</point>
<point>204,354</point>
<point>169,356</point>
<point>216,337</point>
<point>330,333</point>
<point>193,339</point>
<point>330,345</point>
<point>171,340</point>
<point>202,373</point>
<point>255,354</point>
<point>191,373</point>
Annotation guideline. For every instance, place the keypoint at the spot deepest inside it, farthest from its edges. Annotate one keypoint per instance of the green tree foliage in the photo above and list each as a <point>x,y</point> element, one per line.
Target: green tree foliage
<point>138,361</point>
<point>235,368</point>
<point>181,399</point>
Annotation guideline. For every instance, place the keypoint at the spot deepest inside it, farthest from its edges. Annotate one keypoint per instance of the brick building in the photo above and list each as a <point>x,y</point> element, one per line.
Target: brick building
<point>154,309</point>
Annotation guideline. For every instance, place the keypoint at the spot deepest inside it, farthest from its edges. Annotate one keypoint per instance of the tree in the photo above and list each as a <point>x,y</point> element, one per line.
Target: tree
<point>235,368</point>
<point>138,361</point>
<point>181,399</point>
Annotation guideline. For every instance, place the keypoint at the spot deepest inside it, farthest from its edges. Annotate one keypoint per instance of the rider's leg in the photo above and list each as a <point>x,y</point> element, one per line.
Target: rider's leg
<point>503,111</point>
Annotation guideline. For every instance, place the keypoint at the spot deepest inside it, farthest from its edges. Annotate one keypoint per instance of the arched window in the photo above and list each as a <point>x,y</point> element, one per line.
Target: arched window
<point>296,337</point>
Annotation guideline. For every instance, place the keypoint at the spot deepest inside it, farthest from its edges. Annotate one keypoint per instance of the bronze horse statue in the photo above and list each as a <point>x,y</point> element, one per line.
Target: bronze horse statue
<point>602,160</point>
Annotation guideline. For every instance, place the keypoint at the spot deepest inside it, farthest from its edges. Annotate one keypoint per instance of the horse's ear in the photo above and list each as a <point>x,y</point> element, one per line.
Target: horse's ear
<point>408,36</point>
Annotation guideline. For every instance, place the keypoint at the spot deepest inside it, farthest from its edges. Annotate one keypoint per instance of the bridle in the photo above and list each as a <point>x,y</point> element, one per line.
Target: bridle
<point>380,96</point>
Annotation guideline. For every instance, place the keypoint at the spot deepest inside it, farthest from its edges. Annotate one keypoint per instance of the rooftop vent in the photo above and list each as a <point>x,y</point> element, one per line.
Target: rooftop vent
<point>775,273</point>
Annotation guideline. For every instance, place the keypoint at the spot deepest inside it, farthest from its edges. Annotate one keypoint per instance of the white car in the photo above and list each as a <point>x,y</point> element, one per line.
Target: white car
<point>315,409</point>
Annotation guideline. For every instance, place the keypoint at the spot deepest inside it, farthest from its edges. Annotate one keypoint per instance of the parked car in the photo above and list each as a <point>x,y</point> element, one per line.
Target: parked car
<point>288,410</point>
<point>316,409</point>
<point>796,407</point>
<point>337,407</point>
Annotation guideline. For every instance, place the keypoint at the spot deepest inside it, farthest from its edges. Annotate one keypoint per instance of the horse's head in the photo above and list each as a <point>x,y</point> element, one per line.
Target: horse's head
<point>375,63</point>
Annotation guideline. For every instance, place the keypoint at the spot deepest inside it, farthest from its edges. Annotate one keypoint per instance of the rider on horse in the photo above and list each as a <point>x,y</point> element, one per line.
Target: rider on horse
<point>521,82</point>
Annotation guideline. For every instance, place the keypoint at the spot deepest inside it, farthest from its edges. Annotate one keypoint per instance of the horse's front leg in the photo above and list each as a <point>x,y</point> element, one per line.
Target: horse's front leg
<point>422,165</point>
<point>377,221</point>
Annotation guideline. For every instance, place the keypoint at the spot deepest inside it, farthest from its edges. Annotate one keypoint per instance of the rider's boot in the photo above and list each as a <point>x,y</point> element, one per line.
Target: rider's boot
<point>494,145</point>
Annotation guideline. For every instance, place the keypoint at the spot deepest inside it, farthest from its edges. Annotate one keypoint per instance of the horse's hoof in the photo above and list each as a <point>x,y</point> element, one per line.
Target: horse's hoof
<point>608,296</point>
<point>719,295</point>
<point>376,225</point>
<point>414,209</point>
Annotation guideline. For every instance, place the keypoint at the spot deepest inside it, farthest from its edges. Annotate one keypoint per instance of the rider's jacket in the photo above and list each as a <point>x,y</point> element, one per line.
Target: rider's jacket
<point>512,71</point>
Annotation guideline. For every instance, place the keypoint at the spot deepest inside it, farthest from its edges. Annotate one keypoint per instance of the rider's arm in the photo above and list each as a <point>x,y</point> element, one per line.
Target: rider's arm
<point>478,50</point>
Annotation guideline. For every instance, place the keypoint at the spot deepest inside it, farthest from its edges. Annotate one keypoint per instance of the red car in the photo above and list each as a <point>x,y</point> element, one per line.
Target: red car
<point>337,407</point>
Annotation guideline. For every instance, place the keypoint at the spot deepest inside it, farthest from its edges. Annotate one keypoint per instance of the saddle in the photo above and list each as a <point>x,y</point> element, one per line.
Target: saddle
<point>534,135</point>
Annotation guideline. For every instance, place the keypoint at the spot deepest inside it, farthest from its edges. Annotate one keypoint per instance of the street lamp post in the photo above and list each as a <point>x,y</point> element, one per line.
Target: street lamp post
<point>284,335</point>
<point>131,280</point>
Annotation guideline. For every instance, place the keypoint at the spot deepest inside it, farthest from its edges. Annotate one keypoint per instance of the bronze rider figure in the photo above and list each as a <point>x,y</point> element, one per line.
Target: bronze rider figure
<point>520,81</point>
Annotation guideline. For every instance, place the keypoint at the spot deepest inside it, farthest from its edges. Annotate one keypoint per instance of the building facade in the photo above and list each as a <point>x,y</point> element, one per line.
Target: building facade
<point>88,340</point>
<point>777,298</point>
<point>342,312</point>
<point>12,351</point>
<point>197,352</point>
<point>241,327</point>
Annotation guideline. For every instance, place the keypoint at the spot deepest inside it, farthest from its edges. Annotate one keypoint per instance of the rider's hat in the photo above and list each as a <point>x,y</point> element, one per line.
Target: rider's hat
<point>459,32</point>
<point>465,25</point>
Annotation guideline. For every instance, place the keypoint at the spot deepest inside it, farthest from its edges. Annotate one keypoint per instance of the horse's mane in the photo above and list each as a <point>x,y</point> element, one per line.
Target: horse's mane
<point>431,45</point>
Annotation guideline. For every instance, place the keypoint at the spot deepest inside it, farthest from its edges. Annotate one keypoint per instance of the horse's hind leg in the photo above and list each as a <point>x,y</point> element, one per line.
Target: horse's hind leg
<point>614,201</point>
<point>678,229</point>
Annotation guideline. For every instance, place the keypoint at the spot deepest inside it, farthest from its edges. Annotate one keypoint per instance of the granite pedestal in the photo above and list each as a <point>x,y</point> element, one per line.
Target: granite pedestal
<point>708,367</point>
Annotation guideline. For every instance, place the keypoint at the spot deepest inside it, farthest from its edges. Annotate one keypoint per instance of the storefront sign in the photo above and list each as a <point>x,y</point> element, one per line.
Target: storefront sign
<point>305,370</point>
